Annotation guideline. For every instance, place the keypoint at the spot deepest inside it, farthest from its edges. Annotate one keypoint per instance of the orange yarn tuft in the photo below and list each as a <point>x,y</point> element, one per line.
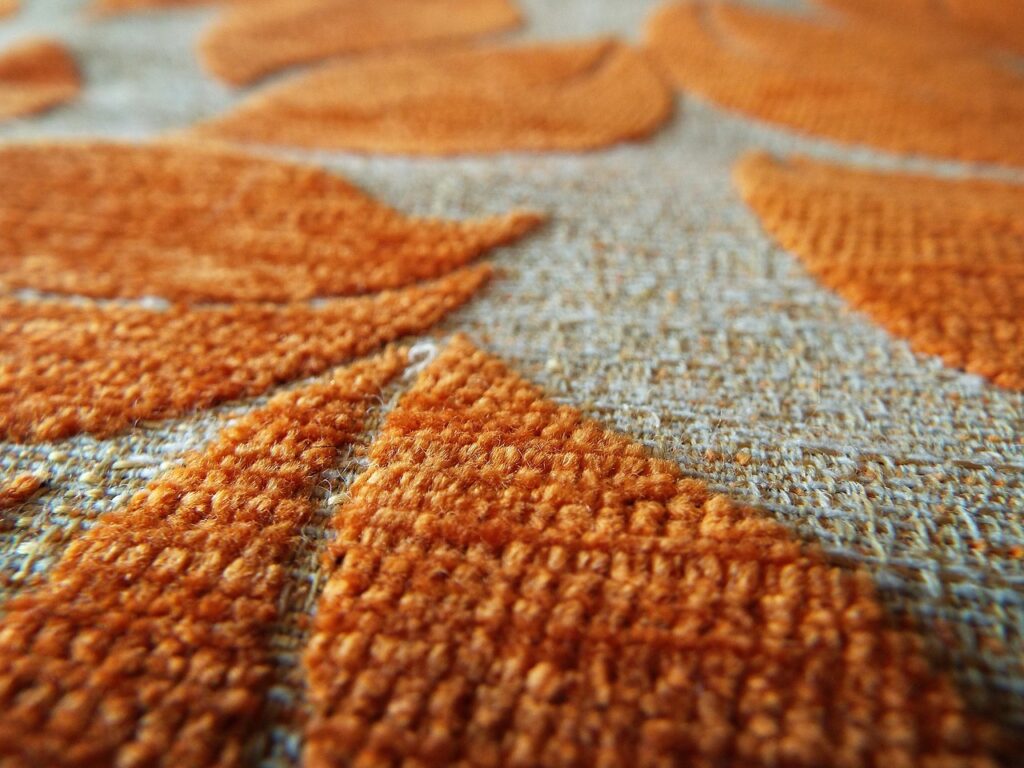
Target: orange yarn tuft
<point>147,643</point>
<point>190,223</point>
<point>36,75</point>
<point>516,586</point>
<point>938,262</point>
<point>18,490</point>
<point>71,368</point>
<point>577,96</point>
<point>847,80</point>
<point>253,39</point>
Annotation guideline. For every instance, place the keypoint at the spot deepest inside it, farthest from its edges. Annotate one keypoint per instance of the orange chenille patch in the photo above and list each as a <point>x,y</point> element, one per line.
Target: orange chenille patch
<point>994,22</point>
<point>122,6</point>
<point>516,586</point>
<point>147,643</point>
<point>256,38</point>
<point>190,223</point>
<point>16,491</point>
<point>34,76</point>
<point>847,80</point>
<point>67,368</point>
<point>939,262</point>
<point>566,96</point>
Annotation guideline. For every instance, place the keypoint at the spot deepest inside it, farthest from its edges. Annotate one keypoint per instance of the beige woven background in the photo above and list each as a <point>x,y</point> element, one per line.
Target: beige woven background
<point>651,300</point>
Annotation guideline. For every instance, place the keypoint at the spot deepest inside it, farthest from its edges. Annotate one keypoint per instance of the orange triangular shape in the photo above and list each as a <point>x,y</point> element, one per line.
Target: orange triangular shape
<point>193,224</point>
<point>100,368</point>
<point>515,585</point>
<point>148,642</point>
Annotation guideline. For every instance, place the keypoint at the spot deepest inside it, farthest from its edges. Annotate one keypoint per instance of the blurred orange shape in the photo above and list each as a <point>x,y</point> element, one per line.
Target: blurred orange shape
<point>847,79</point>
<point>564,96</point>
<point>36,75</point>
<point>254,39</point>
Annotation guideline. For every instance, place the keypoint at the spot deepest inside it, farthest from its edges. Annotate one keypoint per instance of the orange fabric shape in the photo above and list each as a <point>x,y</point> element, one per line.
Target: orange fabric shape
<point>70,368</point>
<point>36,75</point>
<point>847,80</point>
<point>146,645</point>
<point>993,22</point>
<point>18,490</point>
<point>189,223</point>
<point>516,586</point>
<point>939,262</point>
<point>566,96</point>
<point>127,6</point>
<point>9,7</point>
<point>256,38</point>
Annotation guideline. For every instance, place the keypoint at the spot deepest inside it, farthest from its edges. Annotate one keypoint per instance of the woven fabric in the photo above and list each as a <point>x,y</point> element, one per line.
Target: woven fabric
<point>652,300</point>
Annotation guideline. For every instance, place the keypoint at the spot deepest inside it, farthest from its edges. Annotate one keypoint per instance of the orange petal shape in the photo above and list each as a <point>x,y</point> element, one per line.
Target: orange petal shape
<point>147,643</point>
<point>124,6</point>
<point>256,38</point>
<point>18,490</point>
<point>70,368</point>
<point>9,7</point>
<point>34,76</point>
<point>574,96</point>
<point>847,80</point>
<point>191,223</point>
<point>517,586</point>
<point>994,22</point>
<point>939,262</point>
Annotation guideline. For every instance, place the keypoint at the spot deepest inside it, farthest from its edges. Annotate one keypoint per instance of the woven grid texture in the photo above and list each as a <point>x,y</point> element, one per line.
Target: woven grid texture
<point>653,301</point>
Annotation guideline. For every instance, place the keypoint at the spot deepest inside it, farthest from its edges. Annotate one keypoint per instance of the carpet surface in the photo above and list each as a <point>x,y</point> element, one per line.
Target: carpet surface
<point>803,363</point>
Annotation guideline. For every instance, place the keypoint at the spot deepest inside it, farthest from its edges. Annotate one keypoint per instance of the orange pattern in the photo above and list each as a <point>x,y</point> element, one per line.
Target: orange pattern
<point>938,262</point>
<point>995,22</point>
<point>36,75</point>
<point>18,490</point>
<point>69,368</point>
<point>575,96</point>
<point>516,586</point>
<point>256,38</point>
<point>147,643</point>
<point>190,223</point>
<point>847,80</point>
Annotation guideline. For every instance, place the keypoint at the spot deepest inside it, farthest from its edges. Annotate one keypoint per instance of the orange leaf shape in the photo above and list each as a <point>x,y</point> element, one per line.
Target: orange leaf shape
<point>18,490</point>
<point>517,586</point>
<point>994,22</point>
<point>938,262</point>
<point>123,6</point>
<point>147,644</point>
<point>36,75</point>
<point>575,96</point>
<point>70,368</point>
<point>847,80</point>
<point>252,39</point>
<point>189,223</point>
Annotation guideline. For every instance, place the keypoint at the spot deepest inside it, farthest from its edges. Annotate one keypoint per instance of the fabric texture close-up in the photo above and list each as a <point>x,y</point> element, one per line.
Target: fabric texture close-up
<point>511,383</point>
